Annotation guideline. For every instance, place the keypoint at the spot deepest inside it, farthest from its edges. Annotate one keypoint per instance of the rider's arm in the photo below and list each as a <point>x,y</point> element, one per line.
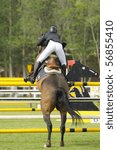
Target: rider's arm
<point>41,41</point>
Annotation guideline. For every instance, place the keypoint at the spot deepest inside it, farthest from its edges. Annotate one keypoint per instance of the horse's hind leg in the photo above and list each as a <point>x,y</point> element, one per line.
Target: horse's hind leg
<point>49,127</point>
<point>62,127</point>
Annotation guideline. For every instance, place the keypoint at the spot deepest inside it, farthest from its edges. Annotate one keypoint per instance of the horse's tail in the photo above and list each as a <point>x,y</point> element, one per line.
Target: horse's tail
<point>63,101</point>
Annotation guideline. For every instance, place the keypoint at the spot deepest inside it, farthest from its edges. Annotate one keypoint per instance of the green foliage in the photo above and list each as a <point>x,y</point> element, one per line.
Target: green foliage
<point>22,21</point>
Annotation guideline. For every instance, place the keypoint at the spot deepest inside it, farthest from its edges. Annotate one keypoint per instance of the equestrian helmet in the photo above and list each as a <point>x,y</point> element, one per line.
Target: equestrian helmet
<point>53,29</point>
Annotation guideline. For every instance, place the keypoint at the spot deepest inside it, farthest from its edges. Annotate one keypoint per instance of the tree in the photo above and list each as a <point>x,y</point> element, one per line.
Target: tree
<point>22,21</point>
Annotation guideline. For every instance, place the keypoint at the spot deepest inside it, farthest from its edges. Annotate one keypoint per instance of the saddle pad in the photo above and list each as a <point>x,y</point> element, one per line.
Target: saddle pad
<point>46,71</point>
<point>49,70</point>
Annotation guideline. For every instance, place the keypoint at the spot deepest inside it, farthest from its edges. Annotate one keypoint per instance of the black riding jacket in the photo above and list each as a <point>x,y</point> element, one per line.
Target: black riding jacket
<point>45,38</point>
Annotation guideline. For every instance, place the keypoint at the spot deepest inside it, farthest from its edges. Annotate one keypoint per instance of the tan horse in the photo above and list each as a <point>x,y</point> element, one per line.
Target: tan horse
<point>54,94</point>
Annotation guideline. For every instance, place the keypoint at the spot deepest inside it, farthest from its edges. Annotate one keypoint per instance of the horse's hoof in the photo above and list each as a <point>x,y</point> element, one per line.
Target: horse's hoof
<point>61,144</point>
<point>47,145</point>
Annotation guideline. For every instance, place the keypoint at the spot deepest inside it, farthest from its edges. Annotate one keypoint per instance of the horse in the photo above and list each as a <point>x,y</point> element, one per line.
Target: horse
<point>54,94</point>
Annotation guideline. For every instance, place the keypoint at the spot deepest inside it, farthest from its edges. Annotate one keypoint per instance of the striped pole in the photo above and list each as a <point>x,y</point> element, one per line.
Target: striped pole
<point>18,109</point>
<point>43,130</point>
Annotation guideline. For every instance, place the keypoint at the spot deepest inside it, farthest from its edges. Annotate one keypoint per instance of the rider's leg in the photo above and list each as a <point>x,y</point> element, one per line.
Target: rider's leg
<point>63,68</point>
<point>61,55</point>
<point>48,50</point>
<point>32,76</point>
<point>36,68</point>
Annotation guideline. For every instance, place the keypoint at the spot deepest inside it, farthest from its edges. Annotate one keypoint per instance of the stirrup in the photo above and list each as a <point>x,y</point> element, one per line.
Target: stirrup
<point>29,79</point>
<point>26,79</point>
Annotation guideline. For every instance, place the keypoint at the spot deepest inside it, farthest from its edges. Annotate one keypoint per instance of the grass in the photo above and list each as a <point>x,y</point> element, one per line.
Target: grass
<point>30,141</point>
<point>35,141</point>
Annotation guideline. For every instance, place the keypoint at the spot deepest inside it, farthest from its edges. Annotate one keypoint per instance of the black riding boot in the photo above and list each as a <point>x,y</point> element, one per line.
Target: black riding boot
<point>63,68</point>
<point>32,77</point>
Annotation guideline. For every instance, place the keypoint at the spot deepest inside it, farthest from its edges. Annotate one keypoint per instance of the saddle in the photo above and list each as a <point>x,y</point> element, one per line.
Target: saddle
<point>52,66</point>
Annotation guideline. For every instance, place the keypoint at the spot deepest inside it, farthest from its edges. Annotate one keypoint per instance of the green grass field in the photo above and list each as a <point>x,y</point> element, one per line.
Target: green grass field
<point>35,141</point>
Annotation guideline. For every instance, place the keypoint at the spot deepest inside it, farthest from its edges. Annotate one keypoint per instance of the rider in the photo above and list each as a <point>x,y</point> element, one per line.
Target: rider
<point>53,45</point>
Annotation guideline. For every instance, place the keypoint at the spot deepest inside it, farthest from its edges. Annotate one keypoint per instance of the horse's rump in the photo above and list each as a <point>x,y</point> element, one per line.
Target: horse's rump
<point>54,80</point>
<point>55,90</point>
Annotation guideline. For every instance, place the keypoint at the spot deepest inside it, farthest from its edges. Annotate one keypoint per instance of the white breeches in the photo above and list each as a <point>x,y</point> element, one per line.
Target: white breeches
<point>53,47</point>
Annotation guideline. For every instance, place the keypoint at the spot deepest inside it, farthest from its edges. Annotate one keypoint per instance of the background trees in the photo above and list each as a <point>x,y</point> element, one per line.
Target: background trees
<point>22,21</point>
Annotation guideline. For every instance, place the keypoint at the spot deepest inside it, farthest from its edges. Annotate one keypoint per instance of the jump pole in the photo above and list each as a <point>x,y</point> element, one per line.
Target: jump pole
<point>41,117</point>
<point>17,83</point>
<point>11,79</point>
<point>71,100</point>
<point>43,130</point>
<point>18,109</point>
<point>38,109</point>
